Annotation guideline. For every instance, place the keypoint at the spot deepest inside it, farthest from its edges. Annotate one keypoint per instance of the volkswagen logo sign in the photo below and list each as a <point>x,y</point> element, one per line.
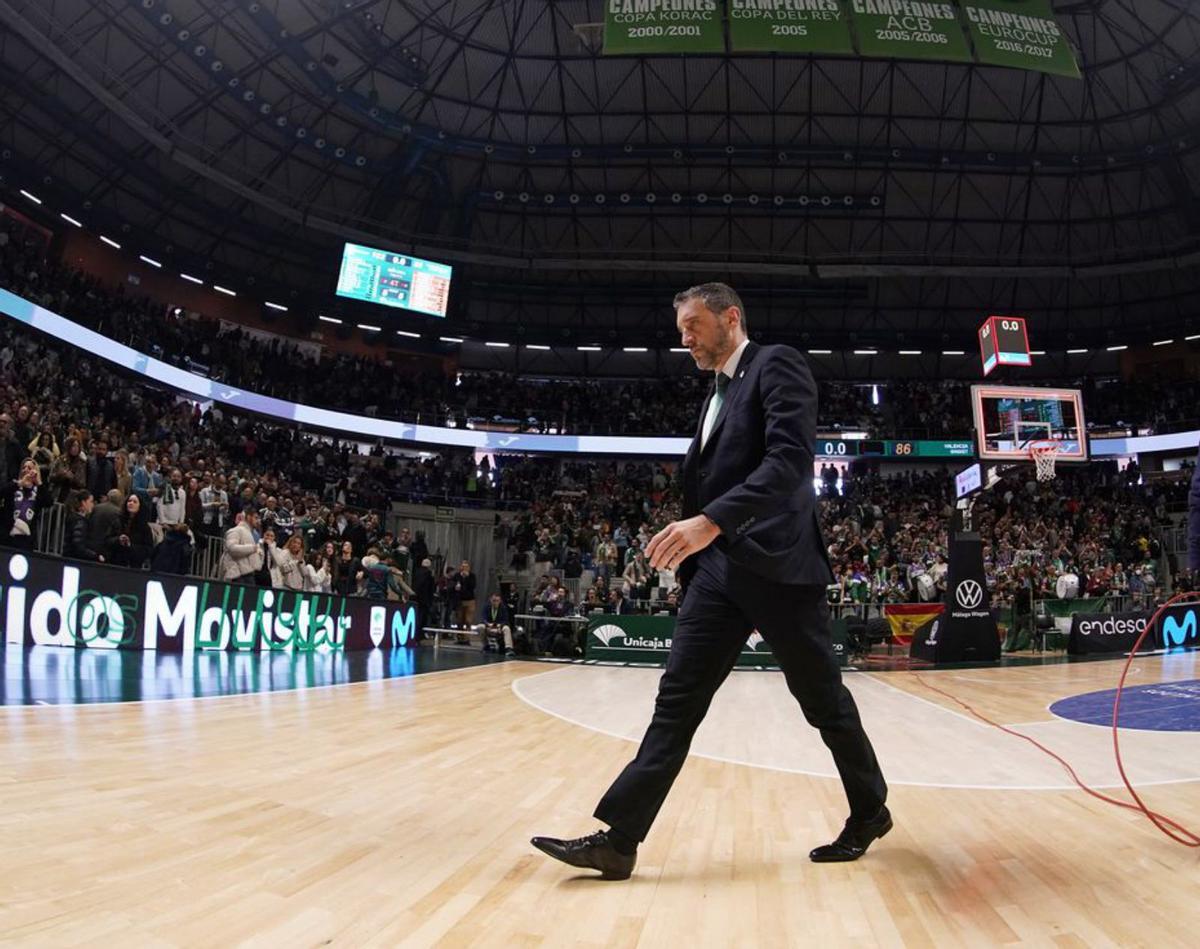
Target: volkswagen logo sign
<point>969,594</point>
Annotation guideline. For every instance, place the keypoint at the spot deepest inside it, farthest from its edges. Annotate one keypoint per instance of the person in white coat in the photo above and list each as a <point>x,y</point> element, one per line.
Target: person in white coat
<point>287,564</point>
<point>243,556</point>
<point>317,578</point>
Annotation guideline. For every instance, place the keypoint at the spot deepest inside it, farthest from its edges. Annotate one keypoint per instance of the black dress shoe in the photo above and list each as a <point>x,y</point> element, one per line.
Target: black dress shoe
<point>593,852</point>
<point>854,839</point>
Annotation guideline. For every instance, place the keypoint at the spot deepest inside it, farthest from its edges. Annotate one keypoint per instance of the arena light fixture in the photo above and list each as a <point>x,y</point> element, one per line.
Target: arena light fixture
<point>497,345</point>
<point>70,220</point>
<point>32,197</point>
<point>227,292</point>
<point>820,352</point>
<point>588,349</point>
<point>275,306</point>
<point>1188,339</point>
<point>408,333</point>
<point>1037,352</point>
<point>147,260</point>
<point>1075,352</point>
<point>953,352</point>
<point>866,352</point>
<point>110,242</point>
<point>330,319</point>
<point>1116,349</point>
<point>635,349</point>
<point>1164,342</point>
<point>910,352</point>
<point>368,328</point>
<point>538,346</point>
<point>680,349</point>
<point>450,339</point>
<point>190,279</point>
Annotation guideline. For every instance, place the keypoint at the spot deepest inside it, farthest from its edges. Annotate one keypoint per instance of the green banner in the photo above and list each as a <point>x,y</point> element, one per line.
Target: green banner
<point>646,640</point>
<point>909,29</point>
<point>1020,33</point>
<point>663,26</point>
<point>789,26</point>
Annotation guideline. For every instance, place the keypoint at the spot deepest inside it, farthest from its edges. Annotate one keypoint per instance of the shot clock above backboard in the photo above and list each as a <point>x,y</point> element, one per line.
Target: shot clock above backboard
<point>1003,341</point>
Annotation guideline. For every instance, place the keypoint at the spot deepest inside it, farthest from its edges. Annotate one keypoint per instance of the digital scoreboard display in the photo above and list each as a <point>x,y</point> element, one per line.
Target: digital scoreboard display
<point>1004,341</point>
<point>899,449</point>
<point>397,280</point>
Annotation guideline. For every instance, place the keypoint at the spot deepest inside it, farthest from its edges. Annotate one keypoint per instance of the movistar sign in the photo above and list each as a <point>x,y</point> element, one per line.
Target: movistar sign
<point>1179,628</point>
<point>46,601</point>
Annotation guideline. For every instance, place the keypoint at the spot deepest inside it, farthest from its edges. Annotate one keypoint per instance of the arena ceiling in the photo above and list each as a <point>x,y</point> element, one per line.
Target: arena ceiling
<point>856,201</point>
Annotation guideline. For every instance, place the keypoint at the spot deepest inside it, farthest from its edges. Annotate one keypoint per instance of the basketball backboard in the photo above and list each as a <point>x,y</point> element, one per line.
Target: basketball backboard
<point>1010,420</point>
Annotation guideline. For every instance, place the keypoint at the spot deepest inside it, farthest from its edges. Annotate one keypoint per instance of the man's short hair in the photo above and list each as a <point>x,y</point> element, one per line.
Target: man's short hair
<point>79,497</point>
<point>718,297</point>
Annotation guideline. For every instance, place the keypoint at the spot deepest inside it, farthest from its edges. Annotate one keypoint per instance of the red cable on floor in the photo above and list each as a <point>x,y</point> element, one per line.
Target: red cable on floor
<point>1172,829</point>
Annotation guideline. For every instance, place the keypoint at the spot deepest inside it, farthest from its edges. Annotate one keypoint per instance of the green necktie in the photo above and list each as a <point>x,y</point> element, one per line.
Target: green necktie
<point>714,407</point>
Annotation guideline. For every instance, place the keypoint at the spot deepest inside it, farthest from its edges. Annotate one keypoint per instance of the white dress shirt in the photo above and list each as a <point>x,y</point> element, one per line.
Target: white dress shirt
<point>730,367</point>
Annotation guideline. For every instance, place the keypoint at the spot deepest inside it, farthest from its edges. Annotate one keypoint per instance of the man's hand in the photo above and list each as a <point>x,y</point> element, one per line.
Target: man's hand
<point>678,541</point>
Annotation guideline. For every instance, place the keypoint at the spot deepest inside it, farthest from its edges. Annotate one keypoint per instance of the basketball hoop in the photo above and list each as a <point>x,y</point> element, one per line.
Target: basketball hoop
<point>1044,455</point>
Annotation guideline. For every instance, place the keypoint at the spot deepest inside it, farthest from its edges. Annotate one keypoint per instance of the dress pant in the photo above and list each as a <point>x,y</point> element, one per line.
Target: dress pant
<point>723,604</point>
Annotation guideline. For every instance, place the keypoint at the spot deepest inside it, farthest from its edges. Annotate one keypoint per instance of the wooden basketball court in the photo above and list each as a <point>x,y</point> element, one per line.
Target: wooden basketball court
<point>398,812</point>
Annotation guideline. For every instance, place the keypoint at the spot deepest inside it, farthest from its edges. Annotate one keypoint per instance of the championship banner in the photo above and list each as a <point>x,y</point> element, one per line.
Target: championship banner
<point>53,602</point>
<point>909,29</point>
<point>663,26</point>
<point>789,26</point>
<point>906,618</point>
<point>1020,33</point>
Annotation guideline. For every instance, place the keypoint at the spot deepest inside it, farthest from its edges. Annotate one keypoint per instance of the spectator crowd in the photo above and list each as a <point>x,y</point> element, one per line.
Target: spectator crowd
<point>273,365</point>
<point>148,476</point>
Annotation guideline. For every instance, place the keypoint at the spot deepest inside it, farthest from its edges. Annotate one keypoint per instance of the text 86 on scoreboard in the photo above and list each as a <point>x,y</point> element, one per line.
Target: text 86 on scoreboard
<point>892,448</point>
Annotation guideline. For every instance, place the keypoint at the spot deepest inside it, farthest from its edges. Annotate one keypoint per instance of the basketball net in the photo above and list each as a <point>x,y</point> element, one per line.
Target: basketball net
<point>1044,455</point>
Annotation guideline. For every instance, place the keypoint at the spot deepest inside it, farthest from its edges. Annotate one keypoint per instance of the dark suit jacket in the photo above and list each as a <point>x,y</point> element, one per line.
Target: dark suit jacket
<point>754,476</point>
<point>423,585</point>
<point>104,524</point>
<point>101,476</point>
<point>503,618</point>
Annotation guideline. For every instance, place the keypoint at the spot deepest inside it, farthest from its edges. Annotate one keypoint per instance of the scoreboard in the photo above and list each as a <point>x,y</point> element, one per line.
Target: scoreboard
<point>380,276</point>
<point>899,449</point>
<point>1004,341</point>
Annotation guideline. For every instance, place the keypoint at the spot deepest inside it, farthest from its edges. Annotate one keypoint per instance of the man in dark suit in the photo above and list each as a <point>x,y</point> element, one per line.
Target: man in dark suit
<point>100,473</point>
<point>104,525</point>
<point>750,555</point>
<point>497,622</point>
<point>423,585</point>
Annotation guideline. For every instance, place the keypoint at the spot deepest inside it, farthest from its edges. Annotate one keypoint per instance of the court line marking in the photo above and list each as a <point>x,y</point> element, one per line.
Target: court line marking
<point>1149,685</point>
<point>820,774</point>
<point>930,702</point>
<point>38,703</point>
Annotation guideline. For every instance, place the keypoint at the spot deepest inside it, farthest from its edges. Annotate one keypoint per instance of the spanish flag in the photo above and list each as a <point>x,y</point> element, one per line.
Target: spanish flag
<point>906,618</point>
